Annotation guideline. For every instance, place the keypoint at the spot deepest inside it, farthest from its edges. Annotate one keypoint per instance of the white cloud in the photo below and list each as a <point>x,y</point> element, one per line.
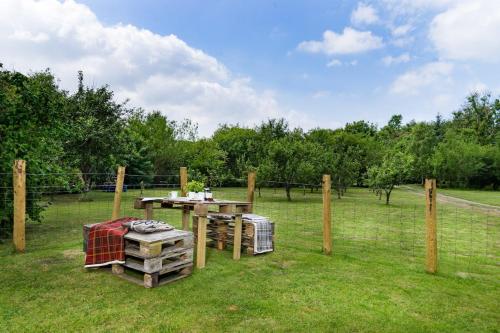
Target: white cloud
<point>468,31</point>
<point>348,42</point>
<point>155,71</point>
<point>334,63</point>
<point>338,63</point>
<point>431,75</point>
<point>364,14</point>
<point>390,60</point>
<point>401,30</point>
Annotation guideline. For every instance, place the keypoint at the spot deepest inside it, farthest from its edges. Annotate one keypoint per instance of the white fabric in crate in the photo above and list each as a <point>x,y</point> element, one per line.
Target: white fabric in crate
<point>263,240</point>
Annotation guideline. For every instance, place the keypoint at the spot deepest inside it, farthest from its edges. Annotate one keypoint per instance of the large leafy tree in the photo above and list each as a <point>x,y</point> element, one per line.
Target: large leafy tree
<point>290,160</point>
<point>240,145</point>
<point>392,171</point>
<point>31,128</point>
<point>96,131</point>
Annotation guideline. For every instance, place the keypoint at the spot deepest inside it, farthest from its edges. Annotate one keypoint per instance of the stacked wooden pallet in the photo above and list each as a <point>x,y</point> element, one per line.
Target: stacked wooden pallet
<point>157,258</point>
<point>220,233</point>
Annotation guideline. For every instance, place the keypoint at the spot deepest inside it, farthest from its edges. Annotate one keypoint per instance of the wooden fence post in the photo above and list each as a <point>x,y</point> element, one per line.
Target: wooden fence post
<point>431,225</point>
<point>327,223</point>
<point>251,189</point>
<point>120,176</point>
<point>184,180</point>
<point>201,212</point>
<point>19,184</point>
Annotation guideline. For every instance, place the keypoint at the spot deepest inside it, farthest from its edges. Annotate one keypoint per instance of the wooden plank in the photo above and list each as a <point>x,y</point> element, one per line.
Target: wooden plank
<point>163,236</point>
<point>120,176</point>
<point>201,242</point>
<point>151,280</point>
<point>183,181</point>
<point>19,184</point>
<point>431,225</point>
<point>237,236</point>
<point>117,269</point>
<point>327,223</point>
<point>148,210</point>
<point>250,190</point>
<point>185,217</point>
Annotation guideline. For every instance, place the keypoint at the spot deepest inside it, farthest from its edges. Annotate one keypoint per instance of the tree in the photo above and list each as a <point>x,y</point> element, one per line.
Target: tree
<point>31,128</point>
<point>290,160</point>
<point>95,124</point>
<point>240,146</point>
<point>391,172</point>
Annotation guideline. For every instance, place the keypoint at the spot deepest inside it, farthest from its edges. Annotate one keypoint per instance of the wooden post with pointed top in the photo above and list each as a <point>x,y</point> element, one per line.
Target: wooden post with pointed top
<point>19,187</point>
<point>431,225</point>
<point>327,223</point>
<point>183,181</point>
<point>120,177</point>
<point>250,190</point>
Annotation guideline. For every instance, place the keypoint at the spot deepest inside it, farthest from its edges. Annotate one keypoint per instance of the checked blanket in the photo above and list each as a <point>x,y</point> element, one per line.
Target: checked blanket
<point>105,244</point>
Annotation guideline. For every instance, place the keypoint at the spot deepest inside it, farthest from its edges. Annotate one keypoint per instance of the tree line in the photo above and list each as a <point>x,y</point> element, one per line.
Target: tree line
<point>77,138</point>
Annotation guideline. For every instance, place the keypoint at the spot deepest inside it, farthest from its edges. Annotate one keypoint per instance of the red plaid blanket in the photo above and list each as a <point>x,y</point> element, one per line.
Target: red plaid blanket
<point>105,244</point>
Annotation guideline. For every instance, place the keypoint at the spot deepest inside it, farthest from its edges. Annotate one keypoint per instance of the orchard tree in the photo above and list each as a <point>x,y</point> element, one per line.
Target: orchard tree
<point>391,172</point>
<point>290,160</point>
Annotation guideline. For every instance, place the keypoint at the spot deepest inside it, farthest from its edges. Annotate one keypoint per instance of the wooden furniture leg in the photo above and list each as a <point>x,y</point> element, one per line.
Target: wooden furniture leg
<point>185,218</point>
<point>149,210</point>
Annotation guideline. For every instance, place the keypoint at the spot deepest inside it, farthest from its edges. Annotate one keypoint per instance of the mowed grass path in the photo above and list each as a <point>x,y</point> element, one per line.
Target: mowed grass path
<point>374,282</point>
<point>484,197</point>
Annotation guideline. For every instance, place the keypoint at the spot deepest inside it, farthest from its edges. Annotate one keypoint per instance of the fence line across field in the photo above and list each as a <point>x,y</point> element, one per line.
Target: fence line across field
<point>428,234</point>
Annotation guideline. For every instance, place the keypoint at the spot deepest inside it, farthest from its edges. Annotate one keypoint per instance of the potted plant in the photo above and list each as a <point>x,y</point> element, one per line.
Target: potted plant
<point>195,188</point>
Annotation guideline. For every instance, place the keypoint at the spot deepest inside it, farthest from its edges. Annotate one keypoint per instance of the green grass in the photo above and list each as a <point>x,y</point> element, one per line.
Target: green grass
<point>485,197</point>
<point>374,282</point>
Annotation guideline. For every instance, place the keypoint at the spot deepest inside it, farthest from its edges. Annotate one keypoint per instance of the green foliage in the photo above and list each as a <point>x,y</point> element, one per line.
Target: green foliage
<point>195,186</point>
<point>291,159</point>
<point>393,171</point>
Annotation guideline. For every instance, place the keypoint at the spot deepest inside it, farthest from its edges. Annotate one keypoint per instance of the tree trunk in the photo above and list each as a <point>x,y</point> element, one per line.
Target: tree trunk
<point>388,194</point>
<point>287,188</point>
<point>258,187</point>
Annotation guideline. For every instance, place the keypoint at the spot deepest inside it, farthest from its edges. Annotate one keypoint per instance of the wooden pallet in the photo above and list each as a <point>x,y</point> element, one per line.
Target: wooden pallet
<point>157,258</point>
<point>158,243</point>
<point>220,234</point>
<point>152,280</point>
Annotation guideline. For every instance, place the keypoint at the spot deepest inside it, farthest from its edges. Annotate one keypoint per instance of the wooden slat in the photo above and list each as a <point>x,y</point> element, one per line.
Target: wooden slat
<point>183,181</point>
<point>201,242</point>
<point>431,225</point>
<point>19,184</point>
<point>120,176</point>
<point>185,217</point>
<point>327,223</point>
<point>250,190</point>
<point>149,210</point>
<point>237,236</point>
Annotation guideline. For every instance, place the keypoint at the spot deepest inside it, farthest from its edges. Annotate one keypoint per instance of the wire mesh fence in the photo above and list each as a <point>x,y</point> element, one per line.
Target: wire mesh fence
<point>362,226</point>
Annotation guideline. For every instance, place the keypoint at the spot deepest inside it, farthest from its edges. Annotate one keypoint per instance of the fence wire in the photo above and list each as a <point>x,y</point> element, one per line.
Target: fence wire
<point>362,226</point>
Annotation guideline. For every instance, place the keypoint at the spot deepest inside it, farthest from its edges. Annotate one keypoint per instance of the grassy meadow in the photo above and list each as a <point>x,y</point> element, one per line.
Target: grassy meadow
<point>375,280</point>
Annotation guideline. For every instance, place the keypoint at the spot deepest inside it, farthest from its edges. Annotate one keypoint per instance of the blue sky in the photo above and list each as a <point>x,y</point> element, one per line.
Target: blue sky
<point>316,63</point>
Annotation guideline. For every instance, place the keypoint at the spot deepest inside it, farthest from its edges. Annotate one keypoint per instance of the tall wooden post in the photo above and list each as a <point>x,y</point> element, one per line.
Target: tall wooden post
<point>19,184</point>
<point>201,212</point>
<point>327,223</point>
<point>184,181</point>
<point>431,225</point>
<point>238,230</point>
<point>250,189</point>
<point>120,176</point>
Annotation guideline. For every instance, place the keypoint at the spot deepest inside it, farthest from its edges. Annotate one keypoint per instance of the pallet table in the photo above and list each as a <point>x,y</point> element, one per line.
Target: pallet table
<point>160,257</point>
<point>201,209</point>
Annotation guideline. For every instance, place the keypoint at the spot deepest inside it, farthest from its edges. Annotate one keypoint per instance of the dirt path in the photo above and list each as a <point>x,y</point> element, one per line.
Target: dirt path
<point>458,202</point>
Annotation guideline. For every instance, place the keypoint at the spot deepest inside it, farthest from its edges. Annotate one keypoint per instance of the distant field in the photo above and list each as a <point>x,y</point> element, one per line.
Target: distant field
<point>485,197</point>
<point>374,281</point>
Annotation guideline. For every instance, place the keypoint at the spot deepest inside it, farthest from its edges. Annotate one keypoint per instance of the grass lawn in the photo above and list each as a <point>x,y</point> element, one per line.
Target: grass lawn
<point>374,282</point>
<point>485,197</point>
